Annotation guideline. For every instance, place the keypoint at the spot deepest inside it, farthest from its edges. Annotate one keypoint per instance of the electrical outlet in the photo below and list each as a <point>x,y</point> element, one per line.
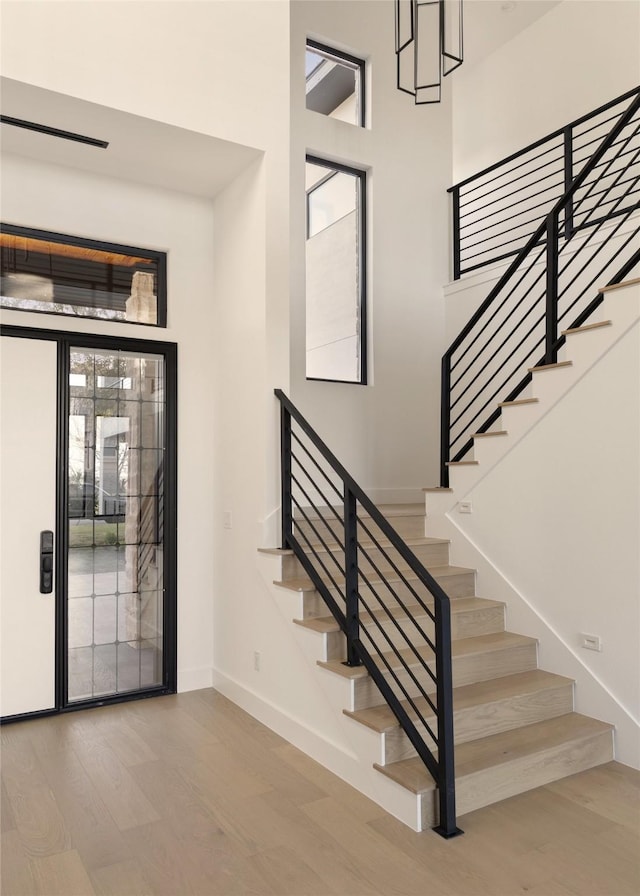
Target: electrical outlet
<point>591,642</point>
<point>256,660</point>
<point>227,519</point>
<point>465,507</point>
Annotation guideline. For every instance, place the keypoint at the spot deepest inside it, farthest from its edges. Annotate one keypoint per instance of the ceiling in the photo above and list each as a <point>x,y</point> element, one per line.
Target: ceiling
<point>151,152</point>
<point>490,23</point>
<point>140,149</point>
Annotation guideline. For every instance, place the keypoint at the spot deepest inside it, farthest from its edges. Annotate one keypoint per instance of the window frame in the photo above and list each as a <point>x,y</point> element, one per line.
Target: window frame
<point>159,257</point>
<point>361,179</point>
<point>352,62</point>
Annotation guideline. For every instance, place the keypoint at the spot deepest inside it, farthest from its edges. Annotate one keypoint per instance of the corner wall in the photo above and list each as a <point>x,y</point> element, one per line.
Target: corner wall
<point>385,432</point>
<point>576,57</point>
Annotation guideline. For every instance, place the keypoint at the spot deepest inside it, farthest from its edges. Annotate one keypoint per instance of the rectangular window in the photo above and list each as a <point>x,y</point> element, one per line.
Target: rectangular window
<point>57,274</point>
<point>334,83</point>
<point>335,273</point>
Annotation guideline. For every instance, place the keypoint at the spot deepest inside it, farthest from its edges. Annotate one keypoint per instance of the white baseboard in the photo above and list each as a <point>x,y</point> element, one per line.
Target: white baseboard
<point>194,679</point>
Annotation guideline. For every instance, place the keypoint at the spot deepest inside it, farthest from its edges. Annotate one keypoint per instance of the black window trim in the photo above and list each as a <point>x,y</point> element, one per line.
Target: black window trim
<point>361,175</point>
<point>51,236</point>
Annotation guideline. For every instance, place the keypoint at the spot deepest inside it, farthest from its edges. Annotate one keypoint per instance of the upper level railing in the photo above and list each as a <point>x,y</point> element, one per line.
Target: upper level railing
<point>394,614</point>
<point>496,211</point>
<point>549,285</point>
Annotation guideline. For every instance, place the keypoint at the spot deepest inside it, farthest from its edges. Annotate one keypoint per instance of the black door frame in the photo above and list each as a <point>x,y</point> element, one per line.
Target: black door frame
<point>169,350</point>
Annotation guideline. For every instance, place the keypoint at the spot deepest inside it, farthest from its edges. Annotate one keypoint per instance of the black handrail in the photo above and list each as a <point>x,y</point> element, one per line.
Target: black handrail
<point>504,179</point>
<point>592,208</point>
<point>345,580</point>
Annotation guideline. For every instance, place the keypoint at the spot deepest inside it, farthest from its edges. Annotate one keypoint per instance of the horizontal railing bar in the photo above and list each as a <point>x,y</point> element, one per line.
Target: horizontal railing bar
<point>492,357</point>
<point>308,551</point>
<point>314,484</point>
<point>555,147</point>
<point>320,585</point>
<point>541,230</point>
<point>598,124</point>
<point>618,155</point>
<point>396,707</point>
<point>316,533</point>
<point>397,571</point>
<point>388,530</point>
<point>394,650</point>
<point>488,322</point>
<point>403,663</point>
<point>593,142</point>
<point>314,461</point>
<point>519,189</point>
<point>529,208</point>
<point>511,375</point>
<point>557,133</point>
<point>390,616</point>
<point>502,233</point>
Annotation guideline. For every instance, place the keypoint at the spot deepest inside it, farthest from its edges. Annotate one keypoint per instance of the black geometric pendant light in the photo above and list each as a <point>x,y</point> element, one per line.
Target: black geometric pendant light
<point>428,45</point>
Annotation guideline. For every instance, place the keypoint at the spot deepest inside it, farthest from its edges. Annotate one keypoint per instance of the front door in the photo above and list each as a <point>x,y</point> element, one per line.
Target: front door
<point>88,425</point>
<point>28,507</point>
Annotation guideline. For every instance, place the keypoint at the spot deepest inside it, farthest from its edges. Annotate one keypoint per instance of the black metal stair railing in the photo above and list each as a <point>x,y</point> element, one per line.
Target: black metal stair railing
<point>548,287</point>
<point>496,210</point>
<point>370,580</point>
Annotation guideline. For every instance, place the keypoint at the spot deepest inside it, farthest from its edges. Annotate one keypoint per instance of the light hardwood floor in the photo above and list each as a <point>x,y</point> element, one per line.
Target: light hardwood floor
<point>189,795</point>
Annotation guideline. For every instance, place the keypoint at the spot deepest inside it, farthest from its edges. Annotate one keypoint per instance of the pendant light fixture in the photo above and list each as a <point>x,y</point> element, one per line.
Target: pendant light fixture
<point>428,46</point>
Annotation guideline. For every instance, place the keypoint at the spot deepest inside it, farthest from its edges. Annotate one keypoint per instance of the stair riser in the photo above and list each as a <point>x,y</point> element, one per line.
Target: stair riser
<point>405,526</point>
<point>463,625</point>
<point>466,670</point>
<point>494,718</point>
<point>428,554</point>
<point>499,783</point>
<point>459,585</point>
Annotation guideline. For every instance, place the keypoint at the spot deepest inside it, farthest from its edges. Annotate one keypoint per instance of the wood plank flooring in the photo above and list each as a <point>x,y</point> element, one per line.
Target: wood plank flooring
<point>186,795</point>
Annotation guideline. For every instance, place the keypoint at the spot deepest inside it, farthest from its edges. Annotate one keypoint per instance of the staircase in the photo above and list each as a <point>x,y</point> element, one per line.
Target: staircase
<point>515,728</point>
<point>424,662</point>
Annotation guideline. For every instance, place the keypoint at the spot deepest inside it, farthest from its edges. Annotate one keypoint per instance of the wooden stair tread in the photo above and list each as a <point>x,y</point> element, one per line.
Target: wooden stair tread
<point>381,718</point>
<point>387,510</point>
<point>327,623</point>
<point>437,488</point>
<point>585,328</point>
<point>488,435</point>
<point>518,401</point>
<point>478,756</point>
<point>462,463</point>
<point>624,283</point>
<point>556,365</point>
<point>303,583</point>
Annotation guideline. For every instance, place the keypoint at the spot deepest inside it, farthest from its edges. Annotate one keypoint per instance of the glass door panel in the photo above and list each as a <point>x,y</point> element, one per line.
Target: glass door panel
<point>115,471</point>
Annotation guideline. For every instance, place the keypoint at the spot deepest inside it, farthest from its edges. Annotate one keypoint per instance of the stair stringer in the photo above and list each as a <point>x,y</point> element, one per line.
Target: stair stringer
<point>593,696</point>
<point>351,750</point>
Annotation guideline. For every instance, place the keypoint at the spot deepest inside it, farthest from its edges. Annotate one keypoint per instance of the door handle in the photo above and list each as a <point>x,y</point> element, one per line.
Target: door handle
<point>46,561</point>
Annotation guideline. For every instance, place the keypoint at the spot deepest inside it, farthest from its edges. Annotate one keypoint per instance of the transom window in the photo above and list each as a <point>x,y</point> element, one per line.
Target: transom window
<point>334,83</point>
<point>58,274</point>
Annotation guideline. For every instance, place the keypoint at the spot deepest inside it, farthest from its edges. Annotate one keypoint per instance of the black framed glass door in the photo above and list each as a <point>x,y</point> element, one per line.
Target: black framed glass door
<point>113,465</point>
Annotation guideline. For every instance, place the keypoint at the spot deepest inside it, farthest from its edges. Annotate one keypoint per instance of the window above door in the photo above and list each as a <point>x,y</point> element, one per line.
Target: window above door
<point>54,273</point>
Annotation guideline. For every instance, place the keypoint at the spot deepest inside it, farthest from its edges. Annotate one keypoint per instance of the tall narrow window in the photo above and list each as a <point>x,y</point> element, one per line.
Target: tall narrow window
<point>335,273</point>
<point>334,83</point>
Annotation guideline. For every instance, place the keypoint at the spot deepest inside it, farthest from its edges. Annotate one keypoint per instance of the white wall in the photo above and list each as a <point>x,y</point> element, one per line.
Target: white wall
<point>576,57</point>
<point>386,432</point>
<point>559,519</point>
<point>220,68</point>
<point>60,199</point>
